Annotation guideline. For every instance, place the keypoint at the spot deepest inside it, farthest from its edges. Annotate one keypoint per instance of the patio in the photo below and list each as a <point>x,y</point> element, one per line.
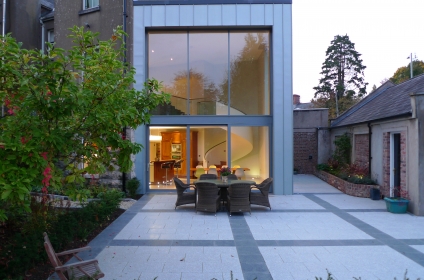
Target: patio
<point>316,229</point>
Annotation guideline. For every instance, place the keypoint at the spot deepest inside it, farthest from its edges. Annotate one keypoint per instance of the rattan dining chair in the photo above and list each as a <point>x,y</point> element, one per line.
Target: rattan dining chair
<point>208,177</point>
<point>261,197</point>
<point>208,199</point>
<point>238,197</point>
<point>184,197</point>
<point>232,177</point>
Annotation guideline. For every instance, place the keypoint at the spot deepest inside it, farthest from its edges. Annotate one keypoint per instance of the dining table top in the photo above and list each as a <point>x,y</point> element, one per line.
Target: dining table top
<point>222,184</point>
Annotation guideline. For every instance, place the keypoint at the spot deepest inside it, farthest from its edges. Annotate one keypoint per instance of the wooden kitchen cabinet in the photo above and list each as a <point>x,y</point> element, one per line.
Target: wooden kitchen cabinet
<point>179,137</point>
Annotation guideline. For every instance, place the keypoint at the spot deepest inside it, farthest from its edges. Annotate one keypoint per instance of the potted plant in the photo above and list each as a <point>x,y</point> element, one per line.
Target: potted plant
<point>225,171</point>
<point>399,202</point>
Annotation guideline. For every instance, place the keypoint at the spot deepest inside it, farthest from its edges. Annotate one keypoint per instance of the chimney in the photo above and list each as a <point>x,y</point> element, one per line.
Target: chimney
<point>296,99</point>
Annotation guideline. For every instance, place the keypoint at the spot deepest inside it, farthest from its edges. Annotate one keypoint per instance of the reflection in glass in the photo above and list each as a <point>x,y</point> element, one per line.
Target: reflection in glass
<point>167,54</point>
<point>208,64</point>
<point>208,70</point>
<point>249,73</point>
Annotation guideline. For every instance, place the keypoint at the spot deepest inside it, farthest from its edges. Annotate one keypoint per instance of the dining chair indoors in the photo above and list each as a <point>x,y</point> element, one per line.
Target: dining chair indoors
<point>261,197</point>
<point>199,171</point>
<point>239,173</point>
<point>213,171</point>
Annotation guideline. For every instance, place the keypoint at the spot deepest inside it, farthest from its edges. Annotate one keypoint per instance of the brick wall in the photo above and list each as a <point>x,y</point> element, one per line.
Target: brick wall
<point>362,149</point>
<point>358,190</point>
<point>304,145</point>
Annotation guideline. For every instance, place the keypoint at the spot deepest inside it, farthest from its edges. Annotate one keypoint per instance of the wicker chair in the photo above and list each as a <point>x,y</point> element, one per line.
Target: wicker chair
<point>208,199</point>
<point>261,197</point>
<point>184,197</point>
<point>238,198</point>
<point>208,177</point>
<point>232,177</point>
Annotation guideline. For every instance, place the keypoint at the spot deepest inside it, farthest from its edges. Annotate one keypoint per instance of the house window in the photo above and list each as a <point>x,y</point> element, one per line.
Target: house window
<point>50,36</point>
<point>224,72</point>
<point>88,4</point>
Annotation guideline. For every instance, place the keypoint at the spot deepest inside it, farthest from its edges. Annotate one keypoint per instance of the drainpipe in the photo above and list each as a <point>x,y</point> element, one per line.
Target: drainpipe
<point>124,27</point>
<point>369,149</point>
<point>43,31</point>
<point>3,34</point>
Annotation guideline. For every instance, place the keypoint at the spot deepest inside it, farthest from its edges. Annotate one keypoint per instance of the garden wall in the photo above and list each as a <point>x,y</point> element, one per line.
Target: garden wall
<point>344,186</point>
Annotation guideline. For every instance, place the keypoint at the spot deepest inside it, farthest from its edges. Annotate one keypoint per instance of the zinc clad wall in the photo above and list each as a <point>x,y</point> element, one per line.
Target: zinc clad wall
<point>276,17</point>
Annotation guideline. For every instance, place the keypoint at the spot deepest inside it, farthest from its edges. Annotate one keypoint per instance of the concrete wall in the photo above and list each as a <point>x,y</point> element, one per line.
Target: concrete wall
<point>418,112</point>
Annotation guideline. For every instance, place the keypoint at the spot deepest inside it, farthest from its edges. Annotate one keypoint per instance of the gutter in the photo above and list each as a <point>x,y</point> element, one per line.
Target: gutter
<point>408,114</point>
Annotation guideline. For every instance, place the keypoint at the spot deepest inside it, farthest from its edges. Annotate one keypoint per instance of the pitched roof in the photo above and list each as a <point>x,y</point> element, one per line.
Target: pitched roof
<point>389,100</point>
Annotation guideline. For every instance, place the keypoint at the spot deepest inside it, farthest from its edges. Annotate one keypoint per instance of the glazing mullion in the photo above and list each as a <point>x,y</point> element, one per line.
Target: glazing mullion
<point>188,75</point>
<point>229,75</point>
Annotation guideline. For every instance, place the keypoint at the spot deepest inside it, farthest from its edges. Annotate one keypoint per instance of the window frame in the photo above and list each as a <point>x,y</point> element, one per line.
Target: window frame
<point>86,4</point>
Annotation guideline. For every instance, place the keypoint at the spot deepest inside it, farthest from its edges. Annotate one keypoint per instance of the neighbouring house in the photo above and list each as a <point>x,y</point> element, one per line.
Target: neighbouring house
<point>297,105</point>
<point>231,100</point>
<point>387,135</point>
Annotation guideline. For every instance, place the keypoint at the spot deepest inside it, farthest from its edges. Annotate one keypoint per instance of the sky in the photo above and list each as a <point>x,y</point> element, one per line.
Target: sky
<point>385,32</point>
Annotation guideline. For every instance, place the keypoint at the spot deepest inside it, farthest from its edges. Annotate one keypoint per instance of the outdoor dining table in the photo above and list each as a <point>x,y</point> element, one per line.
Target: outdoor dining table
<point>224,185</point>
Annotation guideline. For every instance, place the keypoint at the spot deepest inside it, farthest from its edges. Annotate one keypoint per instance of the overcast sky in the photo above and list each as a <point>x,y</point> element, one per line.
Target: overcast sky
<point>385,32</point>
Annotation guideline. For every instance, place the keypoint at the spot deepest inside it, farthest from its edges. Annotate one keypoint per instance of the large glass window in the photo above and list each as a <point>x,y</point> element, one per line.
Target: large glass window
<point>211,72</point>
<point>174,152</point>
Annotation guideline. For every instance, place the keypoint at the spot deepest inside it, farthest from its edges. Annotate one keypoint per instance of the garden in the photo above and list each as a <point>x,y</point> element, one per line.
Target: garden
<point>350,178</point>
<point>66,115</point>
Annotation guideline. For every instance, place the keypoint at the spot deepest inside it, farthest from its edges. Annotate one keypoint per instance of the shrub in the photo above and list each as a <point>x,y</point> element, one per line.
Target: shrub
<point>132,186</point>
<point>24,249</point>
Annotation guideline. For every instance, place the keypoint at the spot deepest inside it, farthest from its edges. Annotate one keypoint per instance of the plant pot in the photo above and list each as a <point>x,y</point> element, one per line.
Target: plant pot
<point>396,205</point>
<point>375,194</point>
<point>224,178</point>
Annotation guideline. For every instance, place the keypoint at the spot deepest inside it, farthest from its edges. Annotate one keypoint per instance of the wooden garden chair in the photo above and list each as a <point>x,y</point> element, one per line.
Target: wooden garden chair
<point>81,269</point>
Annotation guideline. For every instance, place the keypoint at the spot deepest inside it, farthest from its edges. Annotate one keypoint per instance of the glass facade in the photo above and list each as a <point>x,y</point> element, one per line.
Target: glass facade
<point>211,72</point>
<point>176,151</point>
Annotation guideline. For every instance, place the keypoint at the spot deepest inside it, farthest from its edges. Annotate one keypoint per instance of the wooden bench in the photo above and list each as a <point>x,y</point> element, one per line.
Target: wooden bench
<point>76,270</point>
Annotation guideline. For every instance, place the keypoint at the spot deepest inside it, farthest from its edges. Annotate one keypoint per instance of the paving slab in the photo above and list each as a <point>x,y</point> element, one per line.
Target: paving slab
<point>306,235</point>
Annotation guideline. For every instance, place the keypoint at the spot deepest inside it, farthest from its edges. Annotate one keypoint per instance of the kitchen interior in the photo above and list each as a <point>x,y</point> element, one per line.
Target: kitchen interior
<point>208,146</point>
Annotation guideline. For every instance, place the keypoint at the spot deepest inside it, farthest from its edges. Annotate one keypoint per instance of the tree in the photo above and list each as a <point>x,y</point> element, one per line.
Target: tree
<point>403,74</point>
<point>65,109</point>
<point>342,84</point>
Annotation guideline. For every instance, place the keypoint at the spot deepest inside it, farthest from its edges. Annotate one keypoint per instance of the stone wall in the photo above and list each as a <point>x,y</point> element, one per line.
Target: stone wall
<point>358,190</point>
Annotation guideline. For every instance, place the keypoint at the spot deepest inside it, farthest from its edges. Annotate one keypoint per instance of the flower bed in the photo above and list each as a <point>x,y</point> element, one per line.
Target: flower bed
<point>359,190</point>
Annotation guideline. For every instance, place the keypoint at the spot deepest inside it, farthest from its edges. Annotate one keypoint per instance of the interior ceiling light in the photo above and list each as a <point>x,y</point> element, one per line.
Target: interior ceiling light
<point>155,138</point>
